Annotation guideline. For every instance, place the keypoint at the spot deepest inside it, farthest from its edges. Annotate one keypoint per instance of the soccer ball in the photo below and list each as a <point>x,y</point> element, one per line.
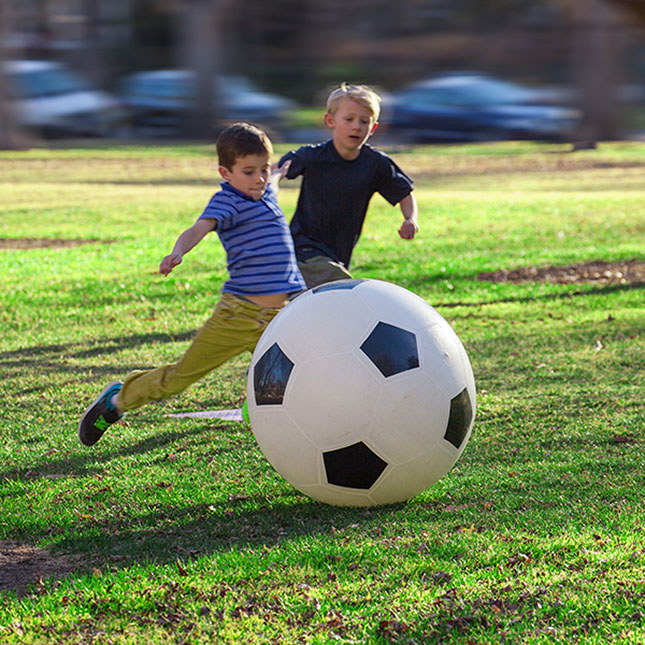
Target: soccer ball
<point>359,393</point>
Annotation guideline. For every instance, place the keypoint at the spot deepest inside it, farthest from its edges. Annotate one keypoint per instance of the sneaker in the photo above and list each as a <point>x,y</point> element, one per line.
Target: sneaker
<point>99,416</point>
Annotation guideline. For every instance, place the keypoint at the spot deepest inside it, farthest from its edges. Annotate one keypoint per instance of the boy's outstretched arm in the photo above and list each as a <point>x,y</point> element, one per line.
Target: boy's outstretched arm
<point>185,242</point>
<point>277,173</point>
<point>409,228</point>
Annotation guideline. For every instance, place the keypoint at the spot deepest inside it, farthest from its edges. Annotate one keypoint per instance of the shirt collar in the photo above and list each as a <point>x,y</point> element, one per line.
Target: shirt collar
<point>332,148</point>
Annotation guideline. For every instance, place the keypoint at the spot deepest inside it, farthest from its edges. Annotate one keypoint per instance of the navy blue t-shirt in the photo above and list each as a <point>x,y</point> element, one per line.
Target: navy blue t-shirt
<point>335,194</point>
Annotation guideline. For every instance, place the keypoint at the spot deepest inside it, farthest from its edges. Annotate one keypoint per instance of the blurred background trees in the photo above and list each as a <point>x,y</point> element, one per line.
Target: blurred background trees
<point>299,48</point>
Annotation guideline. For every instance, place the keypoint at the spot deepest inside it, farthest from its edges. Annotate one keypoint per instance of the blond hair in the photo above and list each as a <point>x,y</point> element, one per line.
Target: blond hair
<point>361,94</point>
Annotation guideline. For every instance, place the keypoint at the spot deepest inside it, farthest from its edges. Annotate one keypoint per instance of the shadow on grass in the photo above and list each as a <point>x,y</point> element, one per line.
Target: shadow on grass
<point>54,359</point>
<point>162,535</point>
<point>529,503</point>
<point>533,494</point>
<point>594,291</point>
<point>89,462</point>
<point>20,357</point>
<point>163,532</point>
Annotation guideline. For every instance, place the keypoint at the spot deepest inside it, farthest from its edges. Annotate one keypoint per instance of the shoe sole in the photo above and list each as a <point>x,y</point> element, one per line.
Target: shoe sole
<point>91,405</point>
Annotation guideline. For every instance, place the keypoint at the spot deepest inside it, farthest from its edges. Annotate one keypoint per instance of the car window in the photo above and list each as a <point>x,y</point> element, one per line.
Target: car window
<point>232,86</point>
<point>172,88</point>
<point>41,83</point>
<point>168,88</point>
<point>491,93</point>
<point>467,94</point>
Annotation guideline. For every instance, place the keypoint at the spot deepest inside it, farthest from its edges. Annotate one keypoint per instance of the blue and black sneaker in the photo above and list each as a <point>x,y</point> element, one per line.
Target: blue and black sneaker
<point>99,416</point>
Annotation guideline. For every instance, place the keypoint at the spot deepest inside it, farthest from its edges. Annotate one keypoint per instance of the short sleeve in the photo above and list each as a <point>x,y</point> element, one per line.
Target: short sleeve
<point>393,183</point>
<point>298,159</point>
<point>221,209</point>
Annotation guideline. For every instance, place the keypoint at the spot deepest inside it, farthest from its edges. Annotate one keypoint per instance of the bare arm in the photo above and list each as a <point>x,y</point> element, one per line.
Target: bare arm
<point>190,238</point>
<point>277,173</point>
<point>409,228</point>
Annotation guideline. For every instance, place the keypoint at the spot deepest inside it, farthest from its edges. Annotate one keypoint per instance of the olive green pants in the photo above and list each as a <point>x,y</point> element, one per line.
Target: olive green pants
<point>235,326</point>
<point>320,269</point>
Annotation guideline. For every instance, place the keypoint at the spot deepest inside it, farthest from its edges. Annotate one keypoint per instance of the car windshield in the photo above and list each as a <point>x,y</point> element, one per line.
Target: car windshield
<point>183,86</point>
<point>231,86</point>
<point>469,94</point>
<point>50,82</point>
<point>176,88</point>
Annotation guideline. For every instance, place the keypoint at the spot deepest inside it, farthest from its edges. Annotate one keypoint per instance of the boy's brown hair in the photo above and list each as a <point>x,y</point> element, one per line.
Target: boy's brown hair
<point>241,140</point>
<point>362,94</point>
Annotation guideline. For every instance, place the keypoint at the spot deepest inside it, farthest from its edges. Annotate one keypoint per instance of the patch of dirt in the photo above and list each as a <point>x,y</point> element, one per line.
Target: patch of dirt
<point>628,272</point>
<point>22,565</point>
<point>26,243</point>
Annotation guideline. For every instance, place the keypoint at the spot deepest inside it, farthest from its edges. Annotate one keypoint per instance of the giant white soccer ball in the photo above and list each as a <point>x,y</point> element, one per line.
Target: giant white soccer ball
<point>359,393</point>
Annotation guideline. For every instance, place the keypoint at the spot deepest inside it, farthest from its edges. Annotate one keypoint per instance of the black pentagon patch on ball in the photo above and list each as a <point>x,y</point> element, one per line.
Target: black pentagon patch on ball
<point>337,285</point>
<point>270,376</point>
<point>392,349</point>
<point>461,414</point>
<point>355,466</point>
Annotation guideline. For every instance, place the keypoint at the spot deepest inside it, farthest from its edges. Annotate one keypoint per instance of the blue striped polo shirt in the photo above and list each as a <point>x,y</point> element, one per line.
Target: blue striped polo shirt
<point>259,248</point>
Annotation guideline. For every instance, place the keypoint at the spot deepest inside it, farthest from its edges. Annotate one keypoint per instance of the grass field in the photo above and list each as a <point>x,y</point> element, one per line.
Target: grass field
<point>179,531</point>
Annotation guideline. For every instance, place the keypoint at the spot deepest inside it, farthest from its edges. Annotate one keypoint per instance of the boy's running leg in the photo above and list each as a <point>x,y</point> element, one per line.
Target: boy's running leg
<point>234,327</point>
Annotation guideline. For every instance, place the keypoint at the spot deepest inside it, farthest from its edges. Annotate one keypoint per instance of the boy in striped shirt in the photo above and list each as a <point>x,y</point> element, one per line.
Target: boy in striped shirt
<point>262,268</point>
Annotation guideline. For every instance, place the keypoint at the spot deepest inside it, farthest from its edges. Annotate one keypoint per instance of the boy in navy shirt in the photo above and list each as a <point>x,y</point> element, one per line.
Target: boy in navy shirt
<point>339,178</point>
<point>262,268</point>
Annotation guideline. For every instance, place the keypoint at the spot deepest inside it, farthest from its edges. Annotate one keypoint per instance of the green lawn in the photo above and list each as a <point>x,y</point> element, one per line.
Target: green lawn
<point>179,531</point>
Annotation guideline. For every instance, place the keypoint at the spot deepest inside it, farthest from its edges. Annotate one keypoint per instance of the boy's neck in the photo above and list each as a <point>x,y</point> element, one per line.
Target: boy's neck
<point>347,154</point>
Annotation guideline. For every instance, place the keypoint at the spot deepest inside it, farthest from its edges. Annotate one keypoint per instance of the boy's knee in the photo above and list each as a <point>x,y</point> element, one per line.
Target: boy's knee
<point>173,383</point>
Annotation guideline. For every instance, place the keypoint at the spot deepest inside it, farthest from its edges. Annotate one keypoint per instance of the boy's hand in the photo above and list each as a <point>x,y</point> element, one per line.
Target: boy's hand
<point>169,263</point>
<point>185,242</point>
<point>408,229</point>
<point>278,173</point>
<point>283,168</point>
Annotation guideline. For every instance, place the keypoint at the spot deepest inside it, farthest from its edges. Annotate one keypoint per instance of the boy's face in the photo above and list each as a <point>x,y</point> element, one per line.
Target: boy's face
<point>249,175</point>
<point>351,125</point>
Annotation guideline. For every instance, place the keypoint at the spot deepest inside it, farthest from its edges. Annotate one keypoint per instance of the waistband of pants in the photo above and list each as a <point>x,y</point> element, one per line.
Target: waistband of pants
<point>247,304</point>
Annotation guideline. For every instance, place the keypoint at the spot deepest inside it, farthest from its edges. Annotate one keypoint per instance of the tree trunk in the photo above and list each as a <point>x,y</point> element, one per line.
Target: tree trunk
<point>92,60</point>
<point>199,50</point>
<point>595,41</point>
<point>12,137</point>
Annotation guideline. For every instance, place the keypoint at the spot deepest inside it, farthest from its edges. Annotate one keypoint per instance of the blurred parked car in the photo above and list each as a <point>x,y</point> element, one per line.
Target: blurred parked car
<point>52,100</point>
<point>161,100</point>
<point>475,107</point>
